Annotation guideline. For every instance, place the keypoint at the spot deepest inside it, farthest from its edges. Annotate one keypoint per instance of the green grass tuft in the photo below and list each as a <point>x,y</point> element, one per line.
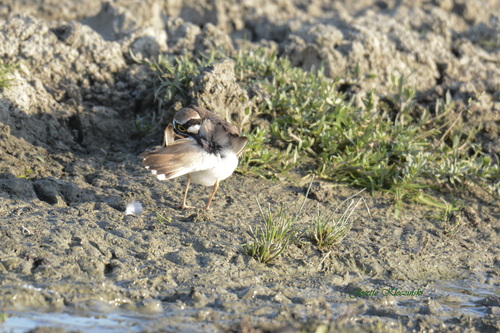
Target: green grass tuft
<point>325,231</point>
<point>273,238</point>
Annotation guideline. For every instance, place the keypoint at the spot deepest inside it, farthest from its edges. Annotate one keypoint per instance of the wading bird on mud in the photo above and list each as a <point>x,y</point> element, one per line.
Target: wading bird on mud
<point>207,152</point>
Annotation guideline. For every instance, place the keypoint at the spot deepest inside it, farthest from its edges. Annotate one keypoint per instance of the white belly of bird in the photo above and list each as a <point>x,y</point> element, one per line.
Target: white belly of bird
<point>225,168</point>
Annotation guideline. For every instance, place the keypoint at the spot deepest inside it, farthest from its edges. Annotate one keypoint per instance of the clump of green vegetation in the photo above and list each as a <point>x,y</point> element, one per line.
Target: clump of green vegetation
<point>388,144</point>
<point>26,174</point>
<point>271,240</point>
<point>324,231</point>
<point>265,161</point>
<point>5,70</point>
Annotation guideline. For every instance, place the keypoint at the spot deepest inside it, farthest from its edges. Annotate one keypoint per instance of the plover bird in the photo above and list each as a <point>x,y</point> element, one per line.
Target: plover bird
<point>207,152</point>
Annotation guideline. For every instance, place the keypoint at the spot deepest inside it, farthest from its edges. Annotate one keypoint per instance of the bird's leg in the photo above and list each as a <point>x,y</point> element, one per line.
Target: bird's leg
<point>216,185</point>
<point>183,205</point>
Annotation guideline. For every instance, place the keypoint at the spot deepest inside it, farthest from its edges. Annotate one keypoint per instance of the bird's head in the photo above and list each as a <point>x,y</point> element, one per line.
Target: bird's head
<point>187,122</point>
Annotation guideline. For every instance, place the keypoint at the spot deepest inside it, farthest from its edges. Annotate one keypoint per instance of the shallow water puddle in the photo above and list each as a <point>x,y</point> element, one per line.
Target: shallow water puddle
<point>469,293</point>
<point>125,321</point>
<point>467,288</point>
<point>22,322</point>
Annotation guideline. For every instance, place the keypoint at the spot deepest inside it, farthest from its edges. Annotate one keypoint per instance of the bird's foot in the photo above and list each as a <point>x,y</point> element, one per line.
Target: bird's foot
<point>184,206</point>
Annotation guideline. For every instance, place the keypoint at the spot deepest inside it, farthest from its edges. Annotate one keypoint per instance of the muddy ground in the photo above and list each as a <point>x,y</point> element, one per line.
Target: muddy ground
<point>69,167</point>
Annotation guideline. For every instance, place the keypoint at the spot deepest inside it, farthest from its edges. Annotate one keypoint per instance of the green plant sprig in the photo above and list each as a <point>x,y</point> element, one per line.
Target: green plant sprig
<point>5,71</point>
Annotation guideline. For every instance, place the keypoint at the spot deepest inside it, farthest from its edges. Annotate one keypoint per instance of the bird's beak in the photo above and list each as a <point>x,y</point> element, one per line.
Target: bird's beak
<point>197,138</point>
<point>189,135</point>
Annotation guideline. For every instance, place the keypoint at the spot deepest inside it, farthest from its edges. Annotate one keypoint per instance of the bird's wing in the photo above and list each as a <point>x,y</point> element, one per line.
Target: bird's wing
<point>179,158</point>
<point>228,127</point>
<point>169,136</point>
<point>238,143</point>
<point>215,118</point>
<point>216,131</point>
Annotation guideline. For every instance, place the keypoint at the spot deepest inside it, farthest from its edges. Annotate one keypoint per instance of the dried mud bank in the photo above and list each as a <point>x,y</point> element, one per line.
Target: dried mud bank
<point>69,166</point>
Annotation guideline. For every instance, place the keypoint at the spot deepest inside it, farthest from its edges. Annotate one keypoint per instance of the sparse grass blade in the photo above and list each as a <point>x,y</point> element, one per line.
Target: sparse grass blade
<point>162,218</point>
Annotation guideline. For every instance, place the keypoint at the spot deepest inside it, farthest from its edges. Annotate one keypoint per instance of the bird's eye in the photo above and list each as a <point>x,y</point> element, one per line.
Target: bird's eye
<point>180,128</point>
